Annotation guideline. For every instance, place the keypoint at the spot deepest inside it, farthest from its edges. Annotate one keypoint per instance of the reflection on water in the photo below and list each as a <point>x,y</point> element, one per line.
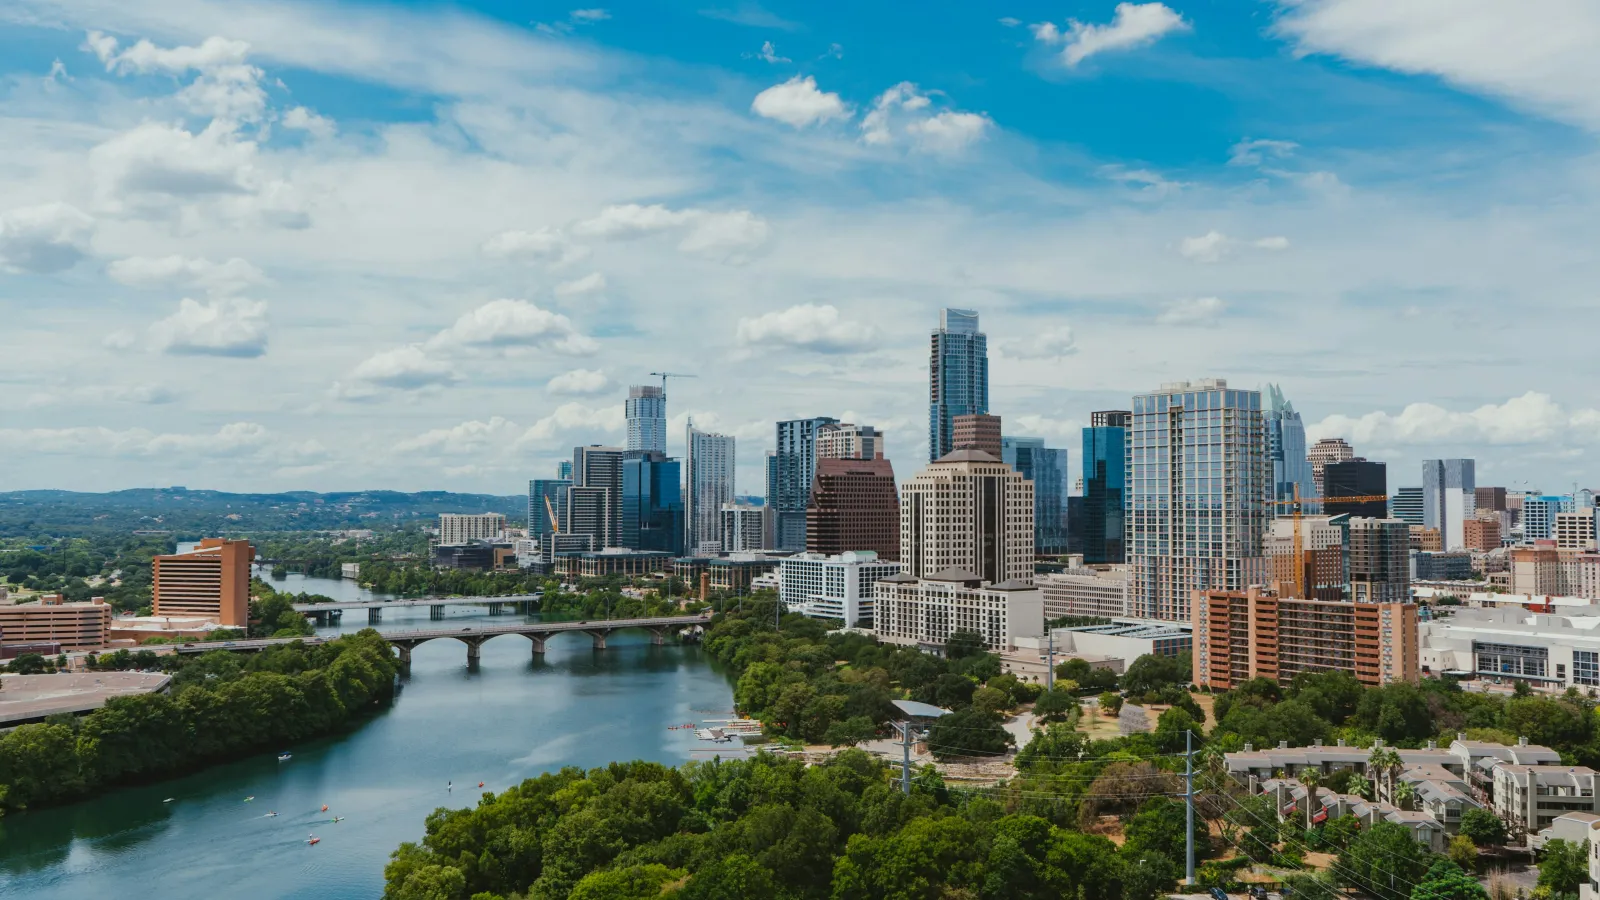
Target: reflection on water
<point>510,718</point>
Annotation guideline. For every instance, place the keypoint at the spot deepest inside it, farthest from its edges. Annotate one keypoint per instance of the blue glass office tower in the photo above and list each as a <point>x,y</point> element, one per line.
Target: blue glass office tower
<point>790,470</point>
<point>958,376</point>
<point>547,505</point>
<point>1286,447</point>
<point>1105,483</point>
<point>1046,467</point>
<point>652,502</point>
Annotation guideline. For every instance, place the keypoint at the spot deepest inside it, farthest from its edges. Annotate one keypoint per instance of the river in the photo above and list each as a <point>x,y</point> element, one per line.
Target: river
<point>511,718</point>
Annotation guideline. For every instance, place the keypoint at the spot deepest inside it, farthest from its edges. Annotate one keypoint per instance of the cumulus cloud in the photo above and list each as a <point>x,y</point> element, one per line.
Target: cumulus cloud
<point>217,278</point>
<point>1214,246</point>
<point>101,394</point>
<point>156,169</point>
<point>905,112</point>
<point>592,283</point>
<point>1050,343</point>
<point>805,327</point>
<point>1540,56</point>
<point>234,441</point>
<point>547,245</point>
<point>1152,183</point>
<point>570,418</point>
<point>301,119</point>
<point>574,20</point>
<point>1533,418</point>
<point>226,87</point>
<point>1034,425</point>
<point>1134,25</point>
<point>407,368</point>
<point>727,235</point>
<point>799,103</point>
<point>40,240</point>
<point>467,438</point>
<point>1194,311</point>
<point>579,382</point>
<point>768,53</point>
<point>514,324</point>
<point>225,327</point>
<point>1255,152</point>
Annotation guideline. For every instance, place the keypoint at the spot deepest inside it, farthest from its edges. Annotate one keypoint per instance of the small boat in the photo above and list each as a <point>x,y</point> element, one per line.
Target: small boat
<point>285,757</point>
<point>480,784</point>
<point>312,840</point>
<point>249,798</point>
<point>169,799</point>
<point>324,807</point>
<point>271,814</point>
<point>338,819</point>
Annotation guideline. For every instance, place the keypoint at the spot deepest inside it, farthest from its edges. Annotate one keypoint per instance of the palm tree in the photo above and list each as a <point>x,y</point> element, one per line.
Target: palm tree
<point>1386,763</point>
<point>1404,794</point>
<point>1360,786</point>
<point>1310,778</point>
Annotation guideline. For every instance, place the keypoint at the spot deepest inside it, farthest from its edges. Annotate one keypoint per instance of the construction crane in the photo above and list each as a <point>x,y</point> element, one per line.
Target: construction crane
<point>665,375</point>
<point>555,527</point>
<point>1299,546</point>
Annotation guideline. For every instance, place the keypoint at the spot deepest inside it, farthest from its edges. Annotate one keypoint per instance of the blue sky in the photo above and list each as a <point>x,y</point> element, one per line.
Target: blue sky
<point>255,245</point>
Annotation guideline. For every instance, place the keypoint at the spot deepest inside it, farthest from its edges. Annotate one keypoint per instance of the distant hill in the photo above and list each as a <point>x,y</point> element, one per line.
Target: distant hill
<point>191,514</point>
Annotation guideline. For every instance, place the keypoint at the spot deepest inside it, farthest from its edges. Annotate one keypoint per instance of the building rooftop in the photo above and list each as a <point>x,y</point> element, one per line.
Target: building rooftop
<point>918,710</point>
<point>967,454</point>
<point>953,574</point>
<point>27,698</point>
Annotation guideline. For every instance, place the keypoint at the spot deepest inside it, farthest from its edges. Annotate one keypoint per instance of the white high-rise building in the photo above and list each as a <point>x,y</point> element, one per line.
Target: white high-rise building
<point>1449,498</point>
<point>646,412</point>
<point>708,485</point>
<point>970,512</point>
<point>833,587</point>
<point>847,441</point>
<point>1198,484</point>
<point>456,529</point>
<point>743,527</point>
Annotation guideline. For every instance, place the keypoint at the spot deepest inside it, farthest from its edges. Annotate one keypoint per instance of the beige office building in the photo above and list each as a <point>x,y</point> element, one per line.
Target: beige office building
<point>970,512</point>
<point>75,626</point>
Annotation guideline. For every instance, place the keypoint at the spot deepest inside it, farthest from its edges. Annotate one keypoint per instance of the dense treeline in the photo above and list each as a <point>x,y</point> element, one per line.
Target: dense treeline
<point>320,556</point>
<point>118,564</point>
<point>221,705</point>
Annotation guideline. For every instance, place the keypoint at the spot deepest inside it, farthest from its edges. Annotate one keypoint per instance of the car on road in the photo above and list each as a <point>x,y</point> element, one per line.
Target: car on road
<point>1218,894</point>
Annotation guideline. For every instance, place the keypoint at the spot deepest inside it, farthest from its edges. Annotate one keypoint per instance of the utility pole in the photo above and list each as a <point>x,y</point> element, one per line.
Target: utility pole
<point>905,758</point>
<point>1050,661</point>
<point>1188,802</point>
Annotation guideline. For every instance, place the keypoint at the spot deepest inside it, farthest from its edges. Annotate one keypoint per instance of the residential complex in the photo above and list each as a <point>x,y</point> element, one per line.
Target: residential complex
<point>708,487</point>
<point>846,441</point>
<point>854,506</point>
<point>958,376</point>
<point>210,581</point>
<point>833,587</point>
<point>646,415</point>
<point>1240,635</point>
<point>456,529</point>
<point>744,529</point>
<point>1198,486</point>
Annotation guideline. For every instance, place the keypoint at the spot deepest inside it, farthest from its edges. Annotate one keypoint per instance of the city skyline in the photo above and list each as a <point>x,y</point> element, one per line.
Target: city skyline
<point>203,246</point>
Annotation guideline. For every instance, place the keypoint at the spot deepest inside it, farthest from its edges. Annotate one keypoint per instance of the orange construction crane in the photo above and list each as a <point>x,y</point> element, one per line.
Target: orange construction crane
<point>1299,546</point>
<point>555,527</point>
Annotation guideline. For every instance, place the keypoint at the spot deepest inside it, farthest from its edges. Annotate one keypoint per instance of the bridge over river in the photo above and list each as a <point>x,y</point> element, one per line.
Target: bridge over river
<point>328,613</point>
<point>474,636</point>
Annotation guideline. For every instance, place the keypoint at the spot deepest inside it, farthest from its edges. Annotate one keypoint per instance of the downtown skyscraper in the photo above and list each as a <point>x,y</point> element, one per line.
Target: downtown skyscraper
<point>708,484</point>
<point>1104,468</point>
<point>1286,448</point>
<point>958,376</point>
<point>646,412</point>
<point>791,467</point>
<point>1449,498</point>
<point>1198,485</point>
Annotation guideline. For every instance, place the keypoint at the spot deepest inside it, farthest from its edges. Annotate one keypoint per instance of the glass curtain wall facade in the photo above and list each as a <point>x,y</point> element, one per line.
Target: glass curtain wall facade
<point>646,412</point>
<point>958,376</point>
<point>1286,447</point>
<point>709,485</point>
<point>1046,467</point>
<point>652,503</point>
<point>547,506</point>
<point>1198,482</point>
<point>1104,472</point>
<point>790,471</point>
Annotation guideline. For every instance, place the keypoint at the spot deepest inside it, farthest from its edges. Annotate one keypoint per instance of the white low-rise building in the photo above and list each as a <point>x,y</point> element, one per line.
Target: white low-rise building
<point>833,587</point>
<point>1552,652</point>
<point>1101,591</point>
<point>924,612</point>
<point>1127,639</point>
<point>1529,798</point>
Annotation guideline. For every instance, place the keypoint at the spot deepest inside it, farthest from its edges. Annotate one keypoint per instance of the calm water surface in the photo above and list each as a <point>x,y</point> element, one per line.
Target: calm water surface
<point>510,718</point>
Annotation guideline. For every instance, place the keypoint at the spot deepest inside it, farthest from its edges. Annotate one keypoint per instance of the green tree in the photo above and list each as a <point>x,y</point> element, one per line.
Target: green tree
<point>631,883</point>
<point>1447,881</point>
<point>1563,866</point>
<point>28,664</point>
<point>1150,673</point>
<point>1148,874</point>
<point>962,644</point>
<point>991,699</point>
<point>1463,852</point>
<point>1110,703</point>
<point>1483,827</point>
<point>1055,706</point>
<point>968,732</point>
<point>1383,861</point>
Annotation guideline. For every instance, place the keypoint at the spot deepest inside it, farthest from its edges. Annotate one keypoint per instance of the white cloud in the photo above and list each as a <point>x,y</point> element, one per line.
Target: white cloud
<point>547,245</point>
<point>217,278</point>
<point>1255,152</point>
<point>1155,184</point>
<point>77,397</point>
<point>574,20</point>
<point>1533,418</point>
<point>1540,54</point>
<point>1133,25</point>
<point>301,119</point>
<point>572,418</point>
<point>579,382</point>
<point>1010,22</point>
<point>234,441</point>
<point>514,324</point>
<point>592,283</point>
<point>726,235</point>
<point>157,169</point>
<point>1195,311</point>
<point>407,368</point>
<point>805,327</point>
<point>799,103</point>
<point>1214,246</point>
<point>467,438</point>
<point>905,110</point>
<point>768,53</point>
<point>590,15</point>
<point>1048,343</point>
<point>1034,425</point>
<point>40,240</point>
<point>226,87</point>
<point>225,327</point>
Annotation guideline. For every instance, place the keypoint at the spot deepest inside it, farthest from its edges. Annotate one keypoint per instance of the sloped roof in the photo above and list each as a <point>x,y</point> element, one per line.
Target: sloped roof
<point>967,454</point>
<point>954,574</point>
<point>1012,584</point>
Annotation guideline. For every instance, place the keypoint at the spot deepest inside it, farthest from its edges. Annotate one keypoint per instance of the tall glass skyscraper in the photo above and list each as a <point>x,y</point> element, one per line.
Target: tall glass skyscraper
<point>790,470</point>
<point>652,503</point>
<point>1198,485</point>
<point>1046,467</point>
<point>646,411</point>
<point>1105,484</point>
<point>709,483</point>
<point>1286,448</point>
<point>1449,498</point>
<point>958,376</point>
